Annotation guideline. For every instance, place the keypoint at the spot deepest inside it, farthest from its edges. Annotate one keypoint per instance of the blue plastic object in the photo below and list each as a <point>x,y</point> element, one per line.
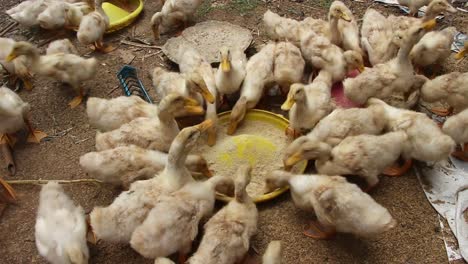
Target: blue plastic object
<point>131,84</point>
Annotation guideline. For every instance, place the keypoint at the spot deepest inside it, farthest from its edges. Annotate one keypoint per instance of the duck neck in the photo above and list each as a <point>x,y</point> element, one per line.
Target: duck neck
<point>333,22</point>
<point>403,54</point>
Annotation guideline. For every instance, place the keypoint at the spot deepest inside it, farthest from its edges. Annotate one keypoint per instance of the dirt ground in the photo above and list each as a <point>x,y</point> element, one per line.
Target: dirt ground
<point>416,239</point>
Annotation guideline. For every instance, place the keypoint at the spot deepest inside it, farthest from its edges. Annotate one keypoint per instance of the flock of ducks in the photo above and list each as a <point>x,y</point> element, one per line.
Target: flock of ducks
<point>348,118</point>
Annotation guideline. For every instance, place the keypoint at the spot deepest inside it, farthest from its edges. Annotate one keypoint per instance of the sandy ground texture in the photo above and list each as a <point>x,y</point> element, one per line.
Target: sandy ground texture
<point>416,239</point>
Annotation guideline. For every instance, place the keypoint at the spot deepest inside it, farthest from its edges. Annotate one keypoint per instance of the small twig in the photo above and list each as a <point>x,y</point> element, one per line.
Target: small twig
<point>149,56</point>
<point>8,28</point>
<point>37,182</point>
<point>130,43</point>
<point>61,133</point>
<point>113,89</point>
<point>81,141</point>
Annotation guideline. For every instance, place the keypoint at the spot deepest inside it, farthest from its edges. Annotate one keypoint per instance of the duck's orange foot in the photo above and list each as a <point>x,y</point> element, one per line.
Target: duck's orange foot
<point>292,133</point>
<point>9,139</point>
<point>318,231</point>
<point>440,111</point>
<point>9,195</point>
<point>76,101</point>
<point>36,136</point>
<point>396,170</point>
<point>104,48</point>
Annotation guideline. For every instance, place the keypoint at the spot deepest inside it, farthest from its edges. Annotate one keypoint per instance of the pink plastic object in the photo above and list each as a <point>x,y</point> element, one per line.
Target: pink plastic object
<point>338,95</point>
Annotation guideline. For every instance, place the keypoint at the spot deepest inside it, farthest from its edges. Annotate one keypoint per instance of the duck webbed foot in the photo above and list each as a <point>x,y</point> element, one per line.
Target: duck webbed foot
<point>396,170</point>
<point>318,231</point>
<point>440,111</point>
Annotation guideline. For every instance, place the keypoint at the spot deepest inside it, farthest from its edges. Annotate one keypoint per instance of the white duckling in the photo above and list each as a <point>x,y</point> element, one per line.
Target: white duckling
<point>154,133</point>
<point>426,141</point>
<point>128,211</point>
<point>288,65</point>
<point>109,114</point>
<point>281,28</point>
<point>343,27</point>
<point>124,165</point>
<point>163,261</point>
<point>339,206</point>
<point>365,156</point>
<point>191,85</point>
<point>324,55</point>
<point>92,28</point>
<point>60,227</point>
<point>451,88</point>
<point>14,117</point>
<point>434,48</point>
<point>308,104</point>
<point>172,14</point>
<point>192,63</point>
<point>19,68</point>
<point>67,68</point>
<point>59,14</point>
<point>378,38</point>
<point>26,12</point>
<point>457,128</point>
<point>335,127</point>
<point>61,46</point>
<point>259,74</point>
<point>396,75</point>
<point>231,71</point>
<point>413,5</point>
<point>227,234</point>
<point>183,210</point>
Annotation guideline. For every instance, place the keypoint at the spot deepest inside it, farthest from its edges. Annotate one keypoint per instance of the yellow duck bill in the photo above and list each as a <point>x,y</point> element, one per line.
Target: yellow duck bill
<point>225,65</point>
<point>205,125</point>
<point>11,57</point>
<point>293,160</point>
<point>461,54</point>
<point>429,24</point>
<point>288,104</point>
<point>345,17</point>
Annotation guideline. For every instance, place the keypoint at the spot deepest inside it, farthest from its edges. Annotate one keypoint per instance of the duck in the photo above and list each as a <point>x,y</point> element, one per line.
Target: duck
<point>26,12</point>
<point>61,46</point>
<point>339,206</point>
<point>117,222</point>
<point>434,48</point>
<point>308,104</point>
<point>184,209</point>
<point>151,133</point>
<point>456,127</point>
<point>192,63</point>
<point>59,14</point>
<point>227,234</point>
<point>92,28</point>
<point>340,29</point>
<point>288,65</point>
<point>110,114</point>
<point>14,113</point>
<point>17,68</point>
<point>324,55</point>
<point>259,75</point>
<point>335,127</point>
<point>60,229</point>
<point>378,38</point>
<point>463,51</point>
<point>68,68</point>
<point>413,5</point>
<point>191,85</point>
<point>451,88</point>
<point>426,141</point>
<point>281,28</point>
<point>172,14</point>
<point>231,71</point>
<point>343,27</point>
<point>396,75</point>
<point>366,156</point>
<point>126,164</point>
<point>434,9</point>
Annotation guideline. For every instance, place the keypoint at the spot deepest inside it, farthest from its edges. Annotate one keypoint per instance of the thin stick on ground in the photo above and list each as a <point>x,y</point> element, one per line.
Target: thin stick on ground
<point>39,182</point>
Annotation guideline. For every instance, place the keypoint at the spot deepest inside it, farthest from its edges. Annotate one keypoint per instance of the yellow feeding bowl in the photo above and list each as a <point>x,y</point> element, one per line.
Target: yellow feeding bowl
<point>121,13</point>
<point>250,148</point>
